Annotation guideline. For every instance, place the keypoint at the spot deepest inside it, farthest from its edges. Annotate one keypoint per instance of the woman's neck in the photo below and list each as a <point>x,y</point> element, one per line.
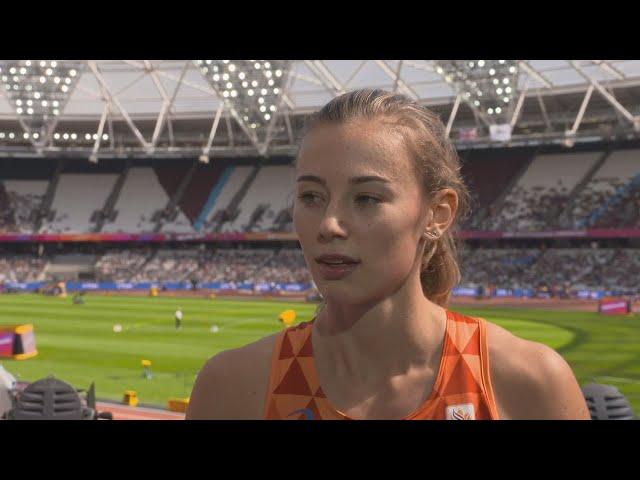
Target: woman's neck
<point>373,343</point>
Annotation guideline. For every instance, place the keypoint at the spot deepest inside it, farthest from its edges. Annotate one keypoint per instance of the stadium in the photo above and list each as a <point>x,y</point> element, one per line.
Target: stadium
<point>133,189</point>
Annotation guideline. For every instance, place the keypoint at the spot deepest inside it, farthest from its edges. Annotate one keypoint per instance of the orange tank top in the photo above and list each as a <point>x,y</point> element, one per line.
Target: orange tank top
<point>462,390</point>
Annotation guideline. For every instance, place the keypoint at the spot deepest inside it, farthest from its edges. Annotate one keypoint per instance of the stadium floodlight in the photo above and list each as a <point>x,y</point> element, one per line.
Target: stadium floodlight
<point>488,86</point>
<point>251,91</point>
<point>38,90</point>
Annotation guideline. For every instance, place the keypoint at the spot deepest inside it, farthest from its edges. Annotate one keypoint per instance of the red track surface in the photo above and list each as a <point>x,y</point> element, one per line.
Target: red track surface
<point>124,412</point>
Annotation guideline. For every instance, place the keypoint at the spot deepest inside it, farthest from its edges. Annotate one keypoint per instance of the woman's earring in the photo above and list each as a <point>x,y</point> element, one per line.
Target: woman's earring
<point>431,234</point>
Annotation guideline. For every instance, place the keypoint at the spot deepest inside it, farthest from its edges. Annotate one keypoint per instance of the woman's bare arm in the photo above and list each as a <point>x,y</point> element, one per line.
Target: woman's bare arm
<point>232,385</point>
<point>532,381</point>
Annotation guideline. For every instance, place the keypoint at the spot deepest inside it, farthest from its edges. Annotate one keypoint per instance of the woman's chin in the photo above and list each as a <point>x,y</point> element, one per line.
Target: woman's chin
<point>344,294</point>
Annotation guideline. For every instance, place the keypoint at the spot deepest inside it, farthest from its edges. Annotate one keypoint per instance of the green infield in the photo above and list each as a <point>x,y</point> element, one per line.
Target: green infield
<point>78,344</point>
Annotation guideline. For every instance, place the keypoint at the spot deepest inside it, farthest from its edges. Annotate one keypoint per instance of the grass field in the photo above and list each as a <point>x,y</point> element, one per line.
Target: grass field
<point>77,343</point>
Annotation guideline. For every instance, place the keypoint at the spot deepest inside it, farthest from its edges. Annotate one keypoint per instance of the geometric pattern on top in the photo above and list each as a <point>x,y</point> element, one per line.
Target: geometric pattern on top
<point>462,390</point>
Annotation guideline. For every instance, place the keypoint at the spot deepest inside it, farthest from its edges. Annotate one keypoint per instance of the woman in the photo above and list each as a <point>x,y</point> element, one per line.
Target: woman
<point>378,195</point>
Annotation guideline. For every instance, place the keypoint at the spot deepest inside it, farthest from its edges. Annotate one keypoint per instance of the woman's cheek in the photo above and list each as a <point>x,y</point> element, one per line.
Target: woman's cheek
<point>394,237</point>
<point>306,223</point>
<point>299,219</point>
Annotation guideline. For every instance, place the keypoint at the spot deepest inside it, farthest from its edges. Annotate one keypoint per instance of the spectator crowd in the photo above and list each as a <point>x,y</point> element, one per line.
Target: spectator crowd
<point>526,268</point>
<point>554,268</point>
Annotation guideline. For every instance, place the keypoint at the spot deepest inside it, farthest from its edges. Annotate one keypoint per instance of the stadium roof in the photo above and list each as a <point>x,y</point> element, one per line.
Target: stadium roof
<point>169,107</point>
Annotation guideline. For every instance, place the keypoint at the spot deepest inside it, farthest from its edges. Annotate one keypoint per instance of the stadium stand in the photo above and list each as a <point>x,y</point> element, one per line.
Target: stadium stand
<point>592,188</point>
<point>77,197</point>
<point>167,265</point>
<point>502,267</point>
<point>22,268</point>
<point>610,197</point>
<point>287,265</point>
<point>69,266</point>
<point>623,270</point>
<point>566,269</point>
<point>488,174</point>
<point>570,266</point>
<point>142,196</point>
<point>202,191</point>
<point>120,265</point>
<point>7,220</point>
<point>228,265</point>
<point>269,193</point>
<point>231,265</point>
<point>541,194</point>
<point>173,179</point>
<point>512,190</point>
<point>170,176</point>
<point>25,197</point>
<point>558,268</point>
<point>234,181</point>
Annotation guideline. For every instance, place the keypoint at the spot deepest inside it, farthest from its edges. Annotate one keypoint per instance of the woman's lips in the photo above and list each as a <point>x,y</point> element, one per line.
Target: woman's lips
<point>336,271</point>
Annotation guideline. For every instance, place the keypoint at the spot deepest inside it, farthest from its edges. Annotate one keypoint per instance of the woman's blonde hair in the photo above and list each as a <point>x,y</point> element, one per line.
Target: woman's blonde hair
<point>436,163</point>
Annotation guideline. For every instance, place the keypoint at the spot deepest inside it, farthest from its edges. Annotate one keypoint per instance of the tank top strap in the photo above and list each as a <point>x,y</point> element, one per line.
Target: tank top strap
<point>465,390</point>
<point>486,372</point>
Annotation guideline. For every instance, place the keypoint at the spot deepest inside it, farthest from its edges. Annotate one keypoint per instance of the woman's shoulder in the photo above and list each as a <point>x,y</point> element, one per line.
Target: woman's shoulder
<point>510,354</point>
<point>233,383</point>
<point>530,379</point>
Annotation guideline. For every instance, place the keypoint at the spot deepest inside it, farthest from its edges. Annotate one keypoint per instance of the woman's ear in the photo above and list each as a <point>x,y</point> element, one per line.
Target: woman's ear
<point>444,207</point>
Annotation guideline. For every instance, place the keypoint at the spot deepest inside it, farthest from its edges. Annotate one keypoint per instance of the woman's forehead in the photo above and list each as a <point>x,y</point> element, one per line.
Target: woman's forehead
<point>363,133</point>
<point>355,148</point>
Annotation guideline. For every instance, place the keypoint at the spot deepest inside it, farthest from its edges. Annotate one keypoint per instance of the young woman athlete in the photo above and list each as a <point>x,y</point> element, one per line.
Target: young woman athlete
<point>378,193</point>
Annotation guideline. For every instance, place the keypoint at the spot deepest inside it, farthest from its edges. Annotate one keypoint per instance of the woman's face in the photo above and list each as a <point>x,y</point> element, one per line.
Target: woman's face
<point>357,196</point>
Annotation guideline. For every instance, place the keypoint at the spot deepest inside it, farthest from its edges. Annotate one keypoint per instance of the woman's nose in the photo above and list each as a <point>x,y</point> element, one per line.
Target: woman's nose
<point>332,225</point>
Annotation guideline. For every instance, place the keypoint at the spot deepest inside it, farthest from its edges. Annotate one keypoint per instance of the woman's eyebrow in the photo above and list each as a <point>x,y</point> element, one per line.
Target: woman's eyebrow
<point>353,180</point>
<point>368,178</point>
<point>312,178</point>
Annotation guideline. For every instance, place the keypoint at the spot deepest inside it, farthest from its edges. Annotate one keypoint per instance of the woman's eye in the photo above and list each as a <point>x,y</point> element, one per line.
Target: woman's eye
<point>367,200</point>
<point>309,198</point>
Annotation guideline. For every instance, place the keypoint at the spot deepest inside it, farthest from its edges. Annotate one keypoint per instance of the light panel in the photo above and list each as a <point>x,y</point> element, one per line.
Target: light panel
<point>251,90</point>
<point>488,86</point>
<point>38,91</point>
